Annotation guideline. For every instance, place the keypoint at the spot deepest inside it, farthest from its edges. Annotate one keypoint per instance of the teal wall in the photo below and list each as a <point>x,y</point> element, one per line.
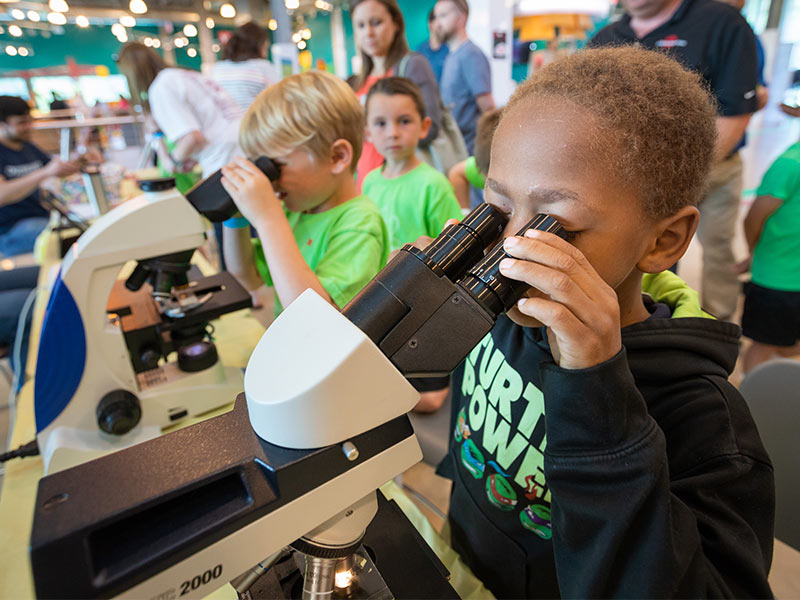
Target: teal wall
<point>94,45</point>
<point>415,13</point>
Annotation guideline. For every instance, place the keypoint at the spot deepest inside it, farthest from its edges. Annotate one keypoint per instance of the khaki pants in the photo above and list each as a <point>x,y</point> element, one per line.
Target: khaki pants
<point>718,216</point>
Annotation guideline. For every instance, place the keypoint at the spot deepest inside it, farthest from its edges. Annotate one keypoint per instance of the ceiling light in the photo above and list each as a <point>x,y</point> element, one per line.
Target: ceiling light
<point>56,18</point>
<point>189,30</point>
<point>15,30</point>
<point>11,50</point>
<point>34,16</point>
<point>191,52</point>
<point>306,34</point>
<point>292,4</point>
<point>18,14</point>
<point>210,23</point>
<point>127,21</point>
<point>23,51</point>
<point>137,7</point>
<point>301,45</point>
<point>273,25</point>
<point>117,29</point>
<point>227,11</point>
<point>156,43</point>
<point>123,37</point>
<point>58,6</point>
<point>81,21</point>
<point>215,47</point>
<point>296,37</point>
<point>147,42</point>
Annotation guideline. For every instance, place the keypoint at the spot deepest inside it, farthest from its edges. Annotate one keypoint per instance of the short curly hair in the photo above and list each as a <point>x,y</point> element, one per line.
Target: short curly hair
<point>657,119</point>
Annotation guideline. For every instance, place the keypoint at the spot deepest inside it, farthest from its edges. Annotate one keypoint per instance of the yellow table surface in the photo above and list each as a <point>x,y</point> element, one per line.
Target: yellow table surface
<point>236,335</point>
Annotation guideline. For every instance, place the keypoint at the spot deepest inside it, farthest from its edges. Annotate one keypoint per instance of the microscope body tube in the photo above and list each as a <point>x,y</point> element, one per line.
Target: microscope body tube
<point>412,308</point>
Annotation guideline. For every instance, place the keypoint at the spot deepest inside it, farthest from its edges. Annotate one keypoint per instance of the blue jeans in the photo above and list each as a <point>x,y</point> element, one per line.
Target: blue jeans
<point>20,238</point>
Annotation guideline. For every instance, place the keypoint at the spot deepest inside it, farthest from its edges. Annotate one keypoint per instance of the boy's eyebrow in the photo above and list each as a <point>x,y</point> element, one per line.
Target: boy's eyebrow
<point>546,195</point>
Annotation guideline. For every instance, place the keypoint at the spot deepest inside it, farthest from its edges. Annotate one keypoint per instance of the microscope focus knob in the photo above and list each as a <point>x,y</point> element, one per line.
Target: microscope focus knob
<point>118,412</point>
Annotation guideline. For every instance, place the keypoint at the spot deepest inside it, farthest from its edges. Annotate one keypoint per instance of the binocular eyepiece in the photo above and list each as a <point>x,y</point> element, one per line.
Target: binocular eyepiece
<point>458,254</point>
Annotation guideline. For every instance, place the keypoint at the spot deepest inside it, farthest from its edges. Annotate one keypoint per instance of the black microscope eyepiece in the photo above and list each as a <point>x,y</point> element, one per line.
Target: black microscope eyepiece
<point>459,246</point>
<point>484,282</point>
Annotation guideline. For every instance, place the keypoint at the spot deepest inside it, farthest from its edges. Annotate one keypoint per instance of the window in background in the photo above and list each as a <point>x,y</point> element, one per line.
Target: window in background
<point>43,87</point>
<point>14,86</point>
<point>95,88</point>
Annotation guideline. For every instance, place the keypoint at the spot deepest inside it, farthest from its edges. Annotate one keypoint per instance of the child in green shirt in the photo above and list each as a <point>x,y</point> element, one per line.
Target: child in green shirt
<point>315,230</point>
<point>413,198</point>
<point>771,315</point>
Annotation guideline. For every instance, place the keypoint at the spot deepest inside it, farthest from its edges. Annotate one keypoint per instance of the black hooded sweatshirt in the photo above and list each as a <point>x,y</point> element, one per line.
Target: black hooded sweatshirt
<point>651,482</point>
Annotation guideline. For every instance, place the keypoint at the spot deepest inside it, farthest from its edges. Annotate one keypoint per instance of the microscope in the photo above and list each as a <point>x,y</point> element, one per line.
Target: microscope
<point>291,473</point>
<point>104,379</point>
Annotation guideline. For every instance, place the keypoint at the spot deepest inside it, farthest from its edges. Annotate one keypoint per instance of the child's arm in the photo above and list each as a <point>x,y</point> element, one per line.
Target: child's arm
<point>762,208</point>
<point>239,260</point>
<point>624,524</point>
<point>458,179</point>
<point>255,198</point>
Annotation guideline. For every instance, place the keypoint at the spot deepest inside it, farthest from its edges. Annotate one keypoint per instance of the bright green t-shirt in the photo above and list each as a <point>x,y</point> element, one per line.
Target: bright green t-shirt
<point>776,258</point>
<point>345,246</point>
<point>415,204</point>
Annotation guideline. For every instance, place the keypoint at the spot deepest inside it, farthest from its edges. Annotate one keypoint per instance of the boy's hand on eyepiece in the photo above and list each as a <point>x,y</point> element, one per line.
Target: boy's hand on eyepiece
<point>579,309</point>
<point>251,190</point>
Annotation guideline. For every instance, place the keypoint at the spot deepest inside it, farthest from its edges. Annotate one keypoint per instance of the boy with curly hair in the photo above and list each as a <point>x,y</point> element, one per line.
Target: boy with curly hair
<point>598,448</point>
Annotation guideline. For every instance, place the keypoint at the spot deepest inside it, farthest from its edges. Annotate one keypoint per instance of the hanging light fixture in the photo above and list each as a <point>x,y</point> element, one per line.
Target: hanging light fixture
<point>273,24</point>
<point>137,7</point>
<point>81,21</point>
<point>117,29</point>
<point>56,18</point>
<point>156,43</point>
<point>33,16</point>
<point>11,50</point>
<point>210,23</point>
<point>227,11</point>
<point>301,45</point>
<point>58,6</point>
<point>127,21</point>
<point>189,30</point>
<point>191,52</point>
<point>23,51</point>
<point>18,14</point>
<point>291,4</point>
<point>15,30</point>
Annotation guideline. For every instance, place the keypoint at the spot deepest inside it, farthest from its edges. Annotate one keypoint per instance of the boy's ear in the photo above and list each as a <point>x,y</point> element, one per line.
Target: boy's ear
<point>673,235</point>
<point>341,156</point>
<point>426,127</point>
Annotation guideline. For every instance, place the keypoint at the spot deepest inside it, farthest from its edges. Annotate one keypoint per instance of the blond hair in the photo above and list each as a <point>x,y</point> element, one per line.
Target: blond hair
<point>310,110</point>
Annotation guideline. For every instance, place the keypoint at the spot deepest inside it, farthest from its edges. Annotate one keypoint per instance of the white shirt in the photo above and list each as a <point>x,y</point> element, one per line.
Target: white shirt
<point>246,79</point>
<point>183,101</point>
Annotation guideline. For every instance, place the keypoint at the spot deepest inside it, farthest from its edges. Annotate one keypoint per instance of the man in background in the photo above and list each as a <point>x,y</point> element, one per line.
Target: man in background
<point>433,49</point>
<point>466,83</point>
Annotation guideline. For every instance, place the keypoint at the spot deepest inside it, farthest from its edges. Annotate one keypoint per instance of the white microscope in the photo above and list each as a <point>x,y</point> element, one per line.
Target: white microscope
<point>321,425</point>
<point>102,380</point>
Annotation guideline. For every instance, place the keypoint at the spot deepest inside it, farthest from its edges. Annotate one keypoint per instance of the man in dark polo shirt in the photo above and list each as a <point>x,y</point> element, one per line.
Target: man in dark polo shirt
<point>714,40</point>
<point>23,168</point>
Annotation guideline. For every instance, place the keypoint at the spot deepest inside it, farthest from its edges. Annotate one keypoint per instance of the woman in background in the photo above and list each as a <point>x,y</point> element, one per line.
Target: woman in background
<point>244,70</point>
<point>380,35</point>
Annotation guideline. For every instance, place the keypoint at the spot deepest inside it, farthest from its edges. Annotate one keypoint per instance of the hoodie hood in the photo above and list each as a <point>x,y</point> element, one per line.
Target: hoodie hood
<point>691,343</point>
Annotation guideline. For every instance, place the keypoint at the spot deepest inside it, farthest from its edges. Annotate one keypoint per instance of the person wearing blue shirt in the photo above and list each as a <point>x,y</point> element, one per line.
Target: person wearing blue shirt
<point>466,84</point>
<point>433,49</point>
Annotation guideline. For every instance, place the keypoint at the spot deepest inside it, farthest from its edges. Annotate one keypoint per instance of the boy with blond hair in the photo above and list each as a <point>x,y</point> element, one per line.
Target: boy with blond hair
<point>598,449</point>
<point>314,229</point>
<point>414,198</point>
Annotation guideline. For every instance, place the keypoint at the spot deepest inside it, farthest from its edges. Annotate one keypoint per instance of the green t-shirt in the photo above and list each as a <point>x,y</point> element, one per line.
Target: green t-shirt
<point>345,246</point>
<point>776,258</point>
<point>412,205</point>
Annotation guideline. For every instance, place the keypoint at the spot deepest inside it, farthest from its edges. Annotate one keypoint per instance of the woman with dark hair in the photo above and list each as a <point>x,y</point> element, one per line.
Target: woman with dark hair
<point>380,35</point>
<point>192,111</point>
<point>244,71</point>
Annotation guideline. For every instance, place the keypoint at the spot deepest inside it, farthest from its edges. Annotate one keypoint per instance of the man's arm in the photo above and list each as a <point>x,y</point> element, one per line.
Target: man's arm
<point>729,131</point>
<point>14,190</point>
<point>485,102</point>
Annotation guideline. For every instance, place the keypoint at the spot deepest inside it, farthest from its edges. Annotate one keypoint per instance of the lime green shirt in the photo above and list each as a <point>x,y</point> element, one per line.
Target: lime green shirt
<point>776,258</point>
<point>415,204</point>
<point>345,246</point>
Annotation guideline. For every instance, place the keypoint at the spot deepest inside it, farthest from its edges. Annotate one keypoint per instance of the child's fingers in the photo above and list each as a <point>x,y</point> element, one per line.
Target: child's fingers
<point>557,285</point>
<point>229,186</point>
<point>554,315</point>
<point>450,222</point>
<point>245,164</point>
